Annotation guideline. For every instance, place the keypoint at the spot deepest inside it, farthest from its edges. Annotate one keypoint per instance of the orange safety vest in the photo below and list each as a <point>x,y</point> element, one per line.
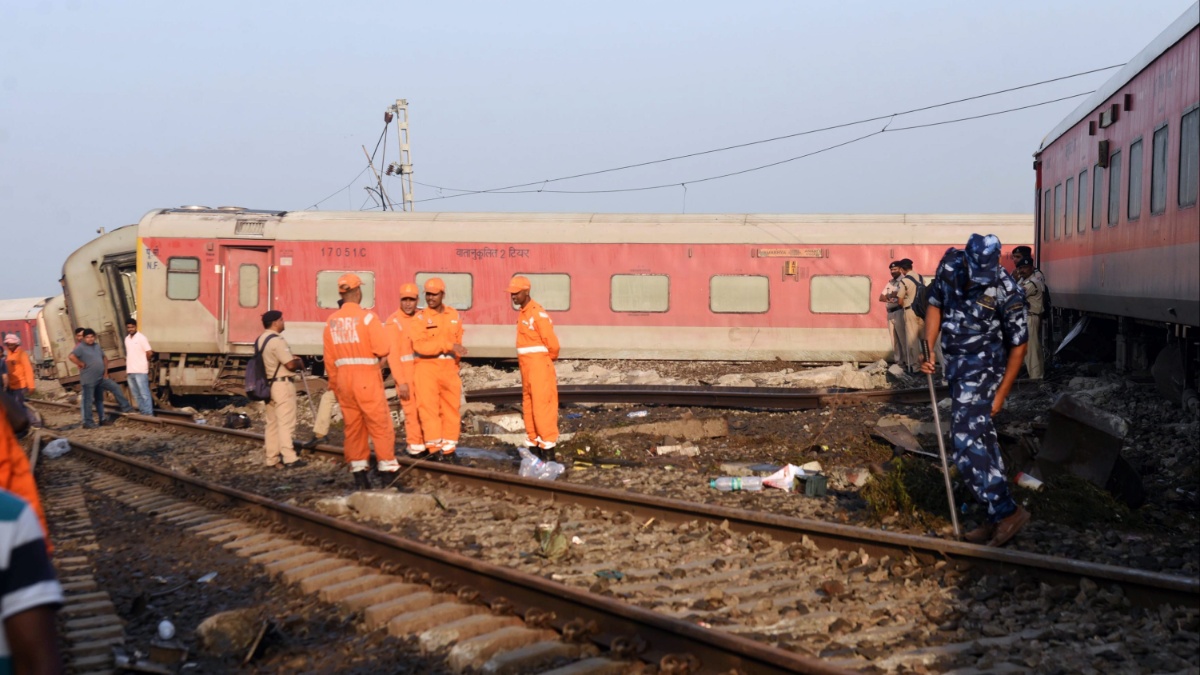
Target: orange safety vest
<point>535,332</point>
<point>20,370</point>
<point>353,337</point>
<point>436,333</point>
<point>399,329</point>
<point>15,475</point>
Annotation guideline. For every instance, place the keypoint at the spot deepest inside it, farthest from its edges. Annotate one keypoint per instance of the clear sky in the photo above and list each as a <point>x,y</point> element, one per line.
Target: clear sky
<point>111,109</point>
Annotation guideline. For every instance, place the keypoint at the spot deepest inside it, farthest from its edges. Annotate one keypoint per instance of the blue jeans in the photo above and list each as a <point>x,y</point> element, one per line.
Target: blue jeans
<point>139,386</point>
<point>94,393</point>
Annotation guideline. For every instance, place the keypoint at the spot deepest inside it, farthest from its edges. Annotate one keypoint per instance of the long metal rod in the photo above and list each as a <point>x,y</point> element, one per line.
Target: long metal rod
<point>753,398</point>
<point>937,422</point>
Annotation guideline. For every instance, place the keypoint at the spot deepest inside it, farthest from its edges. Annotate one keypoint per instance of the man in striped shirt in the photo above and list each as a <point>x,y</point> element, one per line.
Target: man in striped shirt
<point>31,595</point>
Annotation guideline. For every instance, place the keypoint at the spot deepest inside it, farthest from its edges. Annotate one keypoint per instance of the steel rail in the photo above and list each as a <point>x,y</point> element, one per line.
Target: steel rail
<point>1142,587</point>
<point>716,650</point>
<point>752,398</point>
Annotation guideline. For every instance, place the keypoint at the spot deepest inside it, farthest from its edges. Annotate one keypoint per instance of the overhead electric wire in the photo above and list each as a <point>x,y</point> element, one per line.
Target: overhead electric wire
<point>514,189</point>
<point>685,183</point>
<point>355,179</point>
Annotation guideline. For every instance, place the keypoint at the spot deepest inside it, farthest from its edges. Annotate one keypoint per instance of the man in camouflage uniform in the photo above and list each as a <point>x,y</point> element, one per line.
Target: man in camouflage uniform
<point>980,312</point>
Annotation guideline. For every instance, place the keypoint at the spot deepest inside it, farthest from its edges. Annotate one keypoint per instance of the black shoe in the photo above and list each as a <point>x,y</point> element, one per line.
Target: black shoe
<point>90,426</point>
<point>312,442</point>
<point>294,465</point>
<point>418,455</point>
<point>451,457</point>
<point>105,423</point>
<point>362,480</point>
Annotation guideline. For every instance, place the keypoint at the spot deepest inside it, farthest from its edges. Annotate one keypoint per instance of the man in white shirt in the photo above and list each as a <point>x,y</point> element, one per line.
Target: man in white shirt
<point>137,367</point>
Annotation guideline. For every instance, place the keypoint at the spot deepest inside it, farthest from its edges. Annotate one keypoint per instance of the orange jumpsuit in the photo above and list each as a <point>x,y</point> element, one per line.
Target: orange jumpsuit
<point>399,329</point>
<point>20,370</point>
<point>15,475</point>
<point>439,388</point>
<point>354,343</point>
<point>537,347</point>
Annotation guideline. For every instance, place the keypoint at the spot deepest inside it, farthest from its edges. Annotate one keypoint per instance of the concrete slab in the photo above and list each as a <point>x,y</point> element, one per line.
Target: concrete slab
<point>293,561</point>
<point>295,575</point>
<point>596,666</point>
<point>88,608</point>
<point>90,662</point>
<point>251,540</point>
<point>111,630</point>
<point>280,554</point>
<point>318,581</point>
<point>475,652</point>
<point>412,623</point>
<point>92,647</point>
<point>340,591</point>
<point>74,599</point>
<point>93,622</point>
<point>215,525</point>
<point>389,506</point>
<point>535,657</point>
<point>264,547</point>
<point>333,506</point>
<point>230,535</point>
<point>79,586</point>
<point>464,629</point>
<point>377,615</point>
<point>361,601</point>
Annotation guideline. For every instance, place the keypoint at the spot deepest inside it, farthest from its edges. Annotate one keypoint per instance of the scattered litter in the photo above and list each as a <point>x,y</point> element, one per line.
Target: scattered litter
<point>201,421</point>
<point>532,467</point>
<point>765,468</point>
<point>610,574</point>
<point>483,453</point>
<point>207,578</point>
<point>815,486</point>
<point>574,416</point>
<point>552,543</point>
<point>166,630</point>
<point>647,523</point>
<point>576,540</point>
<point>56,448</point>
<point>785,478</point>
<point>237,421</point>
<point>811,467</point>
<point>737,483</point>
<point>1027,481</point>
<point>638,413</point>
<point>686,450</point>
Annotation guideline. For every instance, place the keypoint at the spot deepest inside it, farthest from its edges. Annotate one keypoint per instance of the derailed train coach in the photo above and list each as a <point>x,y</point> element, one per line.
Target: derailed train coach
<point>25,318</point>
<point>1117,217</point>
<point>717,287</point>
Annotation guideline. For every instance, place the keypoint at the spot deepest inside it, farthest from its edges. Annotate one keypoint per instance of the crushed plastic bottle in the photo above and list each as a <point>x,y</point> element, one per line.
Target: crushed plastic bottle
<point>166,630</point>
<point>532,467</point>
<point>736,484</point>
<point>56,448</point>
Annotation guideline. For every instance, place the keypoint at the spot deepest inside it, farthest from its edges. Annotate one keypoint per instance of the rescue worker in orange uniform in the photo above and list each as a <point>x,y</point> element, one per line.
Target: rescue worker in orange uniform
<point>399,328</point>
<point>437,340</point>
<point>354,343</point>
<point>20,368</point>
<point>537,348</point>
<point>15,474</point>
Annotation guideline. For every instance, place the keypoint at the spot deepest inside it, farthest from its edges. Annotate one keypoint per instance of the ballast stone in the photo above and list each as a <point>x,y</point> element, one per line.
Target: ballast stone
<point>387,506</point>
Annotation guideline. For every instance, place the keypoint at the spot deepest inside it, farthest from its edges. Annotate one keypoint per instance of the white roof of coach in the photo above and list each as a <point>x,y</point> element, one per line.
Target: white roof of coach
<point>1165,40</point>
<point>21,309</point>
<point>592,227</point>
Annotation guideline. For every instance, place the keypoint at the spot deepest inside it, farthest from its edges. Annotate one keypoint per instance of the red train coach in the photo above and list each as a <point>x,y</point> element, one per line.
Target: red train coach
<point>739,287</point>
<point>1117,183</point>
<point>23,318</point>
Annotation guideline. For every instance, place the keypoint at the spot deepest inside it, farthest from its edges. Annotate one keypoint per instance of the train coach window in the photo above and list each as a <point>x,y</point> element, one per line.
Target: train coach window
<point>183,278</point>
<point>1158,171</point>
<point>1097,195</point>
<point>552,291</point>
<point>1080,221</point>
<point>1133,210</point>
<point>327,290</point>
<point>459,288</point>
<point>1069,205</point>
<point>738,294</point>
<point>1189,157</point>
<point>248,285</point>
<point>1046,217</point>
<point>1114,188</point>
<point>1058,204</point>
<point>840,295</point>
<point>640,293</point>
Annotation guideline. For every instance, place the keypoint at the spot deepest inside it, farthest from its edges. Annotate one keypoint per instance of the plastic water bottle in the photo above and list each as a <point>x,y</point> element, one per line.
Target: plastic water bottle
<point>735,483</point>
<point>532,467</point>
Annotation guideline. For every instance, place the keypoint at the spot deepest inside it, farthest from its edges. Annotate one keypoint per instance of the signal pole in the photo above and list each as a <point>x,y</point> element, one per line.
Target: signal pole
<point>403,167</point>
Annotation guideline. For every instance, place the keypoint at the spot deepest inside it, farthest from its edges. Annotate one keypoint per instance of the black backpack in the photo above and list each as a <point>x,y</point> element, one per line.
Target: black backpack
<point>258,387</point>
<point>921,297</point>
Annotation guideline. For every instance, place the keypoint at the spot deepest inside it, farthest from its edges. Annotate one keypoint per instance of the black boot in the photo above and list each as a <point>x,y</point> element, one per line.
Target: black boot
<point>362,480</point>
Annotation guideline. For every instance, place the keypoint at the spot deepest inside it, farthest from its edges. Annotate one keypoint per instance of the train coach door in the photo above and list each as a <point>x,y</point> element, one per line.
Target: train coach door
<point>247,292</point>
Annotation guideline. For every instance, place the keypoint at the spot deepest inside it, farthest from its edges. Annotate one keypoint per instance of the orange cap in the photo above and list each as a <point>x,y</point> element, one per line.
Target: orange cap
<point>435,285</point>
<point>408,291</point>
<point>348,282</point>
<point>518,283</point>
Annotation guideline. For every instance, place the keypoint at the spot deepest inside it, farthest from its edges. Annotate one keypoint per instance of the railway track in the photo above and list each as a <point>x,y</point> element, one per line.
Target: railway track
<point>754,398</point>
<point>702,591</point>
